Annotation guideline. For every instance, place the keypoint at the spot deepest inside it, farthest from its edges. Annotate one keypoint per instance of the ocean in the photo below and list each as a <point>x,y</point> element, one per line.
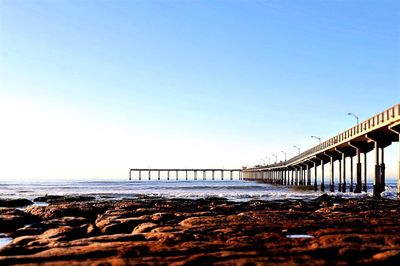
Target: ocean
<point>236,190</point>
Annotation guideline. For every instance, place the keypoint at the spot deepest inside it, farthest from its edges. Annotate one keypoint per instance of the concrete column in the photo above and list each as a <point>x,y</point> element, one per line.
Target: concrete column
<point>365,173</point>
<point>140,175</point>
<point>222,174</point>
<point>322,176</point>
<point>278,180</point>
<point>130,176</point>
<point>382,168</point>
<point>159,175</point>
<point>377,178</point>
<point>204,175</point>
<point>167,175</point>
<point>315,177</point>
<point>213,175</point>
<point>177,175</point>
<point>195,175</point>
<point>231,175</point>
<point>149,174</point>
<point>279,177</point>
<point>340,176</point>
<point>344,172</point>
<point>332,181</point>
<point>285,176</point>
<point>297,177</point>
<point>291,181</point>
<point>358,172</point>
<point>308,175</point>
<point>186,175</point>
<point>301,176</point>
<point>351,174</point>
<point>398,174</point>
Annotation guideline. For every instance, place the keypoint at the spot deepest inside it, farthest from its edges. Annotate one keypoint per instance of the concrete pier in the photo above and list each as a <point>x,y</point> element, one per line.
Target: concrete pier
<point>175,173</point>
<point>373,134</point>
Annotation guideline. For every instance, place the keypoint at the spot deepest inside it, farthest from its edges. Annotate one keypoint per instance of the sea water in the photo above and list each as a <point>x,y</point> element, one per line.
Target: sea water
<point>4,240</point>
<point>237,190</point>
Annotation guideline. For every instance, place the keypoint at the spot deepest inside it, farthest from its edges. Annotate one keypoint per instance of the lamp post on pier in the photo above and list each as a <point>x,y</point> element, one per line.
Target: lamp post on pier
<point>276,158</point>
<point>269,160</point>
<point>298,149</point>
<point>285,155</point>
<point>352,114</point>
<point>317,139</point>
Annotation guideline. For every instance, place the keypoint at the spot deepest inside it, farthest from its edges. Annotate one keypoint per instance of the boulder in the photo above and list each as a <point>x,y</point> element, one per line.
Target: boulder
<point>15,202</point>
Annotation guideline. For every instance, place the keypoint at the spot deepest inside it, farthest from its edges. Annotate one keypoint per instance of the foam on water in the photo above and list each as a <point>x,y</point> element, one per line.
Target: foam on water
<point>4,240</point>
<point>299,236</point>
<point>233,190</point>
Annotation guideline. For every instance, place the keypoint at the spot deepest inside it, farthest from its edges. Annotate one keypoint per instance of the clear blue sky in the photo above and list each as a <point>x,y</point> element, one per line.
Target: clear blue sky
<point>97,87</point>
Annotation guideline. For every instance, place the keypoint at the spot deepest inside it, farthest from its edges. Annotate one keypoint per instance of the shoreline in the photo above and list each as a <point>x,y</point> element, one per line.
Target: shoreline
<point>325,230</point>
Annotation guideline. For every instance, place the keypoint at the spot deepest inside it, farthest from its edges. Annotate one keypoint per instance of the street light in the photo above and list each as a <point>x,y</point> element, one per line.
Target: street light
<point>317,139</point>
<point>269,160</point>
<point>356,117</point>
<point>276,158</point>
<point>263,161</point>
<point>298,149</point>
<point>285,154</point>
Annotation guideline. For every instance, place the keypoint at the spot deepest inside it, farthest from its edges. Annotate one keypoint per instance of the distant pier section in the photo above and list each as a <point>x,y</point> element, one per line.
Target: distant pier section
<point>185,174</point>
<point>373,134</point>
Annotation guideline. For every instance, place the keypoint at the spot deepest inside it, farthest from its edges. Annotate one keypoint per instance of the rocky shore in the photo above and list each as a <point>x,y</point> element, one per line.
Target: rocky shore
<point>156,231</point>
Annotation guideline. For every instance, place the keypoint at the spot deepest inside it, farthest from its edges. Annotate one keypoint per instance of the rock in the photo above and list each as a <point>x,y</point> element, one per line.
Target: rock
<point>53,211</point>
<point>323,198</point>
<point>66,232</point>
<point>157,231</point>
<point>63,199</point>
<point>57,232</point>
<point>117,226</point>
<point>388,256</point>
<point>353,239</point>
<point>15,202</point>
<point>12,219</point>
<point>163,217</point>
<point>144,227</point>
<point>201,221</point>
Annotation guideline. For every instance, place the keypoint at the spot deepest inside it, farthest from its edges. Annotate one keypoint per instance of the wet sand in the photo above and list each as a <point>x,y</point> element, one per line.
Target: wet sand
<point>156,231</point>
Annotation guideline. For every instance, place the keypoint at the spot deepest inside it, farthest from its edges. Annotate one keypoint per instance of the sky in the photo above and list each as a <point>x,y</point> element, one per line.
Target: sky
<point>90,89</point>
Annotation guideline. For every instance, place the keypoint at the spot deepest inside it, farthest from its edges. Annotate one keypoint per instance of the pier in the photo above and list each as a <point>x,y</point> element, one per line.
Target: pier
<point>371,135</point>
<point>173,174</point>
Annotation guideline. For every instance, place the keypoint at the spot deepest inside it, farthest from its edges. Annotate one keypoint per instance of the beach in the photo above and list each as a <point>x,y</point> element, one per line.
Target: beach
<point>83,230</point>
